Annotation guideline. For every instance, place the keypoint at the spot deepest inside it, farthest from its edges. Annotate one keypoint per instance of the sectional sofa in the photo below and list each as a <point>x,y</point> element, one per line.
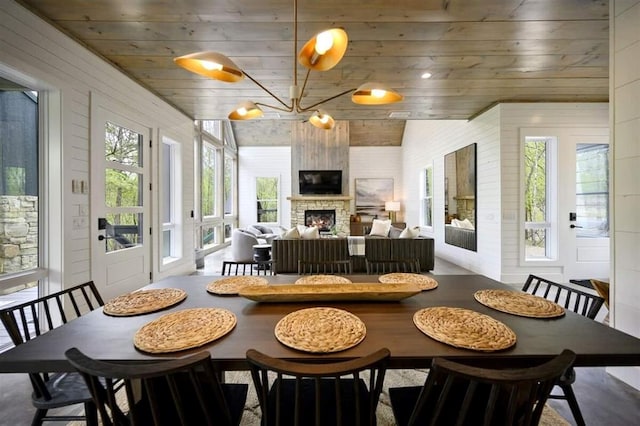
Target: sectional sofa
<point>286,252</point>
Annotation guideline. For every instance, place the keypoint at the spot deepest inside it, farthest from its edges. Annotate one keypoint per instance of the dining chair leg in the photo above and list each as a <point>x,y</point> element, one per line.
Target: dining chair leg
<point>573,404</point>
<point>38,417</point>
<point>91,413</point>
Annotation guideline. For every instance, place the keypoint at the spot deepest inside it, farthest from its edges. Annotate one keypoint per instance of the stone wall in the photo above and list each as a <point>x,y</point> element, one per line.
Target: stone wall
<point>18,233</point>
<point>340,204</point>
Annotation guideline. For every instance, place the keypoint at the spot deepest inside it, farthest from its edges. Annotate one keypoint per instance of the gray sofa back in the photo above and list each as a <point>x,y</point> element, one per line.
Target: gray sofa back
<point>286,253</point>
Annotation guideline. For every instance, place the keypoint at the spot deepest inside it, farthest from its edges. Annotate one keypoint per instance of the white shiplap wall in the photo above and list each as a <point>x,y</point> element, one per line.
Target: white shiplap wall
<point>255,161</point>
<point>625,118</point>
<point>364,162</point>
<point>426,143</point>
<point>39,56</point>
<point>377,162</point>
<point>564,118</point>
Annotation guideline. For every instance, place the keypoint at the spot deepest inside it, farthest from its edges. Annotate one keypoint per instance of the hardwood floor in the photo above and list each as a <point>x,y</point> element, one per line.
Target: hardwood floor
<point>604,400</point>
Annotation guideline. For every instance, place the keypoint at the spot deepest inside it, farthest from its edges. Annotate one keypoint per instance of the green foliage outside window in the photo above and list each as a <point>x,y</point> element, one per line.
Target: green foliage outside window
<point>267,199</point>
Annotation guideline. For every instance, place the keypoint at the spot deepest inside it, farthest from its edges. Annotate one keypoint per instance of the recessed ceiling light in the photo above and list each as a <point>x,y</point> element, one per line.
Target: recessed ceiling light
<point>426,75</point>
<point>400,114</point>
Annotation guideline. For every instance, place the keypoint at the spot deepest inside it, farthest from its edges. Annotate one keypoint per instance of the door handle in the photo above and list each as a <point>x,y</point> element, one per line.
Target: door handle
<point>574,226</point>
<point>101,237</point>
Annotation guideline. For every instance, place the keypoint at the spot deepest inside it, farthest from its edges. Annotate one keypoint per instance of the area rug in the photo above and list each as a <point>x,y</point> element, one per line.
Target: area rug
<point>393,378</point>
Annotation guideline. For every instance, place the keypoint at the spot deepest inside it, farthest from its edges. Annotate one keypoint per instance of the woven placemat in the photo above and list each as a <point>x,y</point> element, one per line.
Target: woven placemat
<point>519,303</point>
<point>232,285</point>
<point>323,279</point>
<point>143,301</point>
<point>185,329</point>
<point>320,330</point>
<point>464,328</point>
<point>423,281</point>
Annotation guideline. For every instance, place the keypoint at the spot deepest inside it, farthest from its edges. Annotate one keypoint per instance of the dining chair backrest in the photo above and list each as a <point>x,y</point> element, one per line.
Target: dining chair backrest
<point>390,266</point>
<point>28,320</point>
<point>183,391</point>
<point>330,267</point>
<point>301,393</point>
<point>578,301</point>
<point>460,394</point>
<point>230,267</point>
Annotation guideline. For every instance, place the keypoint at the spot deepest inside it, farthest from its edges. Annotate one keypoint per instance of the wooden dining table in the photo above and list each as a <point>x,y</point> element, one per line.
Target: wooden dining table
<point>388,324</point>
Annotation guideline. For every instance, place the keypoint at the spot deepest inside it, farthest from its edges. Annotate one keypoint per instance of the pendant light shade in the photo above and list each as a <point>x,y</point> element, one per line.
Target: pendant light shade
<point>322,120</point>
<point>245,111</point>
<point>212,65</point>
<point>324,50</point>
<point>375,94</point>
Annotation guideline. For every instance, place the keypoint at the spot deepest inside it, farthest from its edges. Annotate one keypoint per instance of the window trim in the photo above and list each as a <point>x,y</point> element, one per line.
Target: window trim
<point>552,158</point>
<point>424,196</point>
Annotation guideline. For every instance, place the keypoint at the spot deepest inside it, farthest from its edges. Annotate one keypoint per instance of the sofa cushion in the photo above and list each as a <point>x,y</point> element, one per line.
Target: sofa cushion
<point>291,234</point>
<point>410,232</point>
<point>380,227</point>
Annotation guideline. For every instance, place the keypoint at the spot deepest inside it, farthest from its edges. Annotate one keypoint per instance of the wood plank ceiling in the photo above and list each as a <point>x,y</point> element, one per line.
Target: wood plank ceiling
<point>479,52</point>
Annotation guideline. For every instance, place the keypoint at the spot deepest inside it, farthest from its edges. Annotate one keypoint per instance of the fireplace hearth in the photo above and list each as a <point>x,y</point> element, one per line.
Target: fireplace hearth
<point>323,219</point>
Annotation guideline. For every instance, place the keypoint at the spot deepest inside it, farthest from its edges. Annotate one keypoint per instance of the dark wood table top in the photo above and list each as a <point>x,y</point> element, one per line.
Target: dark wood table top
<point>389,324</point>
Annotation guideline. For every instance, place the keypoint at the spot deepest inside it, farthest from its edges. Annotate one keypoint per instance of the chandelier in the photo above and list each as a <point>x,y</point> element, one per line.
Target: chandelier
<point>321,53</point>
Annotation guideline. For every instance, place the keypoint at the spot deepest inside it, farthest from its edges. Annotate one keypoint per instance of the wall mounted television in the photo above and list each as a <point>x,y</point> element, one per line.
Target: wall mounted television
<point>320,182</point>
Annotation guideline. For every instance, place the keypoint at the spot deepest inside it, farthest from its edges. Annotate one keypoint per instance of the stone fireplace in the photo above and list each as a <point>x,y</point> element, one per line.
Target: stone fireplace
<point>323,219</point>
<point>339,204</point>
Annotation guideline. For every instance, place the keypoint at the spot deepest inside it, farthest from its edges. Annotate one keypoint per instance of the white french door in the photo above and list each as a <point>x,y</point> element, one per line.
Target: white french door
<point>584,205</point>
<point>120,203</point>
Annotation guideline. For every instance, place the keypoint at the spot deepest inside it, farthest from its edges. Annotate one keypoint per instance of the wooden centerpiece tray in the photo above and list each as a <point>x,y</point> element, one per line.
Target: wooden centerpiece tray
<point>330,292</point>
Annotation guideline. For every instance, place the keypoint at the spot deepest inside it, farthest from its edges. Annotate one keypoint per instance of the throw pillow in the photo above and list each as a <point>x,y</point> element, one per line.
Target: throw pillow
<point>380,228</point>
<point>394,232</point>
<point>291,234</point>
<point>262,229</point>
<point>311,233</point>
<point>466,224</point>
<point>410,232</point>
<point>253,230</point>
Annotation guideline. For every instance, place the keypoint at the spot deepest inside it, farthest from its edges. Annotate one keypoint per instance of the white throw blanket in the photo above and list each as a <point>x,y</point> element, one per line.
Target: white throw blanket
<point>356,246</point>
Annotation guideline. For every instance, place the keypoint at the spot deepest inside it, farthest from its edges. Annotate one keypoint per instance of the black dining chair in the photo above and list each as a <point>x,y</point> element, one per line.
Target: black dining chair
<point>230,267</point>
<point>31,319</point>
<point>183,391</point>
<point>578,301</point>
<point>459,394</point>
<point>301,393</point>
<point>331,267</point>
<point>378,267</point>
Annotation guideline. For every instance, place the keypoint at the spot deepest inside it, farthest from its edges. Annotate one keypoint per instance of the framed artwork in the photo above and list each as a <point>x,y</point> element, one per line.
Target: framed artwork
<point>371,194</point>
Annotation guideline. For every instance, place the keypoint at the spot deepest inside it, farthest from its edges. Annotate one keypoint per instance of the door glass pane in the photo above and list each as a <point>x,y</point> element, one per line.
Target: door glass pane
<point>122,188</point>
<point>208,236</point>
<point>124,230</point>
<point>123,145</point>
<point>592,190</point>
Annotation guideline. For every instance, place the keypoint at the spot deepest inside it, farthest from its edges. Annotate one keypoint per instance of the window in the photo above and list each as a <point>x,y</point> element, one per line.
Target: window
<point>229,184</point>
<point>267,199</point>
<point>208,181</point>
<point>20,219</point>
<point>427,197</point>
<point>592,190</point>
<point>216,186</point>
<point>537,198</point>
<point>170,197</point>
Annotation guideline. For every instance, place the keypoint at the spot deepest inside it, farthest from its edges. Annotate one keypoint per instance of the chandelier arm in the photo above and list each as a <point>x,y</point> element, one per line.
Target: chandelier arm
<point>297,101</point>
<point>274,107</point>
<point>289,108</point>
<point>300,108</point>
